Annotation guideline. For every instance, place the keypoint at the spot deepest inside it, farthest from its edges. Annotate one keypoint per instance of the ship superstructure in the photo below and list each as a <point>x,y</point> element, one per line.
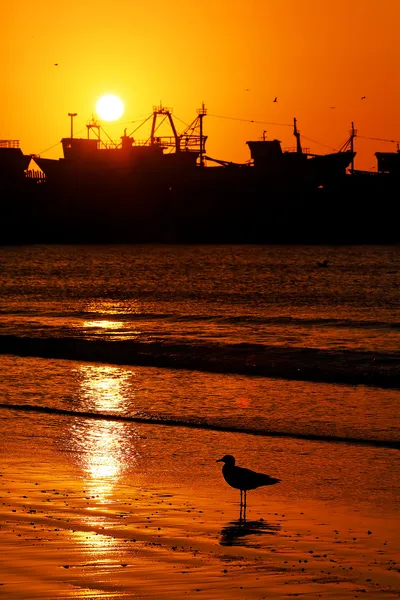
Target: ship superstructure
<point>389,162</point>
<point>13,163</point>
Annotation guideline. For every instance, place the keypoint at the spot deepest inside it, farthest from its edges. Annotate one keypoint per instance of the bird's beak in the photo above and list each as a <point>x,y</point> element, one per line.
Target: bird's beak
<point>219,460</point>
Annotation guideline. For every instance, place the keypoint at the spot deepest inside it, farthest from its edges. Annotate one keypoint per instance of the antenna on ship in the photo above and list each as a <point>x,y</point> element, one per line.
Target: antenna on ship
<point>72,115</point>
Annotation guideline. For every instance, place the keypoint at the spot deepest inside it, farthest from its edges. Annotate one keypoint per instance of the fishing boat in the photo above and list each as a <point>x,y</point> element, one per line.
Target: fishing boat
<point>129,160</point>
<point>269,158</point>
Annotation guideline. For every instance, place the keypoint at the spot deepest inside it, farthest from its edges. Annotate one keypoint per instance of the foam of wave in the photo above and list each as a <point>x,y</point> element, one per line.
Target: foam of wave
<point>234,319</point>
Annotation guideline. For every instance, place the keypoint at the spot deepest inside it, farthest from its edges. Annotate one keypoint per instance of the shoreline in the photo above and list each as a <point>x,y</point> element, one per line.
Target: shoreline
<point>197,424</point>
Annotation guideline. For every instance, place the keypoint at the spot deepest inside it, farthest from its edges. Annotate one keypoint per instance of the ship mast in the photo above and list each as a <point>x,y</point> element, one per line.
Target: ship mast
<point>93,124</point>
<point>296,133</point>
<point>348,146</point>
<point>353,133</point>
<point>166,112</point>
<point>193,138</point>
<point>202,113</point>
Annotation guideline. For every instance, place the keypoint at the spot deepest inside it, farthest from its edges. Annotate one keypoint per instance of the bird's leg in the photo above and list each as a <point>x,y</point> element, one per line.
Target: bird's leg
<point>245,505</point>
<point>241,505</point>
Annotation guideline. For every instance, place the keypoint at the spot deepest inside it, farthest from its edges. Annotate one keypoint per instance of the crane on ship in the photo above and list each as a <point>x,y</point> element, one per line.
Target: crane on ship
<point>192,139</point>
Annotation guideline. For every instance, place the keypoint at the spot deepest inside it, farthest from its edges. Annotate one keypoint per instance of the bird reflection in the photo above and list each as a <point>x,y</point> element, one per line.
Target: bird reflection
<point>237,533</point>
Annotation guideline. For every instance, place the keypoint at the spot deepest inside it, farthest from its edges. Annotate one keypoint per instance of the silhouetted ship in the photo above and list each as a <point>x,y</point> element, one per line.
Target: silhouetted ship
<point>182,154</point>
<point>317,169</point>
<point>13,163</point>
<point>389,162</point>
<point>161,190</point>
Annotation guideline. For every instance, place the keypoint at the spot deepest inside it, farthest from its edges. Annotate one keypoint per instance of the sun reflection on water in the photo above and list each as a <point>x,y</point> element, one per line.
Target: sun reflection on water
<point>108,329</point>
<point>105,447</point>
<point>104,324</point>
<point>104,388</point>
<point>104,459</point>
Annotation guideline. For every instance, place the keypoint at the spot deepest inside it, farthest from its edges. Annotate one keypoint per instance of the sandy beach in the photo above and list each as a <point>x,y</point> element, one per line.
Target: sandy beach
<point>166,524</point>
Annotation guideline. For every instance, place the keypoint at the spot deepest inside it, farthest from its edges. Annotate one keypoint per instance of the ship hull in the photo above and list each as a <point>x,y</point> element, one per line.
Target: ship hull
<point>214,206</point>
<point>137,193</point>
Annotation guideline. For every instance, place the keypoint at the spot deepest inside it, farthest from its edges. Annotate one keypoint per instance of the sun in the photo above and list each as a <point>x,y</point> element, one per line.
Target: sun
<point>109,107</point>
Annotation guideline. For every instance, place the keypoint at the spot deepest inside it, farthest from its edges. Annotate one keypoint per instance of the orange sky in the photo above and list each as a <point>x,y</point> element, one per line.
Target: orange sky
<point>312,55</point>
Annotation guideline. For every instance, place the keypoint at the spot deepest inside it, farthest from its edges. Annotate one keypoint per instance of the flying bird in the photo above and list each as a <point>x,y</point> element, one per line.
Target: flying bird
<point>275,99</point>
<point>332,107</point>
<point>363,97</point>
<point>56,64</point>
<point>243,480</point>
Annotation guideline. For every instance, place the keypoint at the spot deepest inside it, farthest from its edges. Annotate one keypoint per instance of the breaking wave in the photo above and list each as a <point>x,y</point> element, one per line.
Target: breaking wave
<point>302,364</point>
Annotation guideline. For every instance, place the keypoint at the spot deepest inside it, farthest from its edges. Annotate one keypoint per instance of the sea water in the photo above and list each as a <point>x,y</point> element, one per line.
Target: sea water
<point>258,348</point>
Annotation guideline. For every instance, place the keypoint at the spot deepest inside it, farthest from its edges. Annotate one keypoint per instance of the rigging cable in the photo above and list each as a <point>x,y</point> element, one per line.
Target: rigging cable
<point>111,140</point>
<point>139,126</point>
<point>135,120</point>
<point>186,124</point>
<point>54,145</point>
<point>47,149</point>
<point>338,148</point>
<point>315,142</point>
<point>157,128</point>
<point>271,123</point>
<point>251,121</point>
<point>378,139</point>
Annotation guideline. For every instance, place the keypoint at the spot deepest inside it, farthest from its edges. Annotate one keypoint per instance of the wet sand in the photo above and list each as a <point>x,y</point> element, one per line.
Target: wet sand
<point>73,532</point>
<point>62,542</point>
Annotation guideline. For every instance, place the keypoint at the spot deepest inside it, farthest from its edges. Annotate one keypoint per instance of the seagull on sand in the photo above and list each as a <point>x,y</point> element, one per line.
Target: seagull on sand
<point>243,480</point>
